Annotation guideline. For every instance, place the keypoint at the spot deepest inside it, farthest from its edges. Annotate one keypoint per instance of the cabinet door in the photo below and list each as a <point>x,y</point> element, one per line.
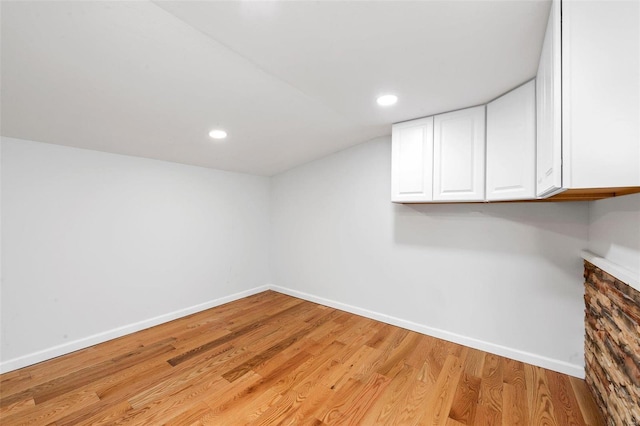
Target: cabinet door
<point>411,161</point>
<point>511,145</point>
<point>458,149</point>
<point>548,106</point>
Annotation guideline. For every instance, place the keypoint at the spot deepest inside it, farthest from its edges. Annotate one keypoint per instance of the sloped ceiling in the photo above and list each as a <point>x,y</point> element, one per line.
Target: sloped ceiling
<point>289,81</point>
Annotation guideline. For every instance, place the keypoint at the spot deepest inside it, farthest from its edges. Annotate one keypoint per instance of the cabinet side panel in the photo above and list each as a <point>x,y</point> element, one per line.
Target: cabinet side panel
<point>548,106</point>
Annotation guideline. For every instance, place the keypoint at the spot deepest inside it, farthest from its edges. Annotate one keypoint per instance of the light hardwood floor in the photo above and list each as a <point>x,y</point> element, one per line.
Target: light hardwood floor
<point>273,359</point>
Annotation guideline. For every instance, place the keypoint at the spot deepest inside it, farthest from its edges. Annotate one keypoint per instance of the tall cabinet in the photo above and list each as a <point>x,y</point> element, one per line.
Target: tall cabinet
<point>588,97</point>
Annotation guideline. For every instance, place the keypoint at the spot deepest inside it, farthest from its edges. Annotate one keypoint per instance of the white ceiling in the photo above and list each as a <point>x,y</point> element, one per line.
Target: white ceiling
<point>289,81</point>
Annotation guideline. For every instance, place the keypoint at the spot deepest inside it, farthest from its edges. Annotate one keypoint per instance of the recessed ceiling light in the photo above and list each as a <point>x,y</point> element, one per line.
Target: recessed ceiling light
<point>387,100</point>
<point>218,134</point>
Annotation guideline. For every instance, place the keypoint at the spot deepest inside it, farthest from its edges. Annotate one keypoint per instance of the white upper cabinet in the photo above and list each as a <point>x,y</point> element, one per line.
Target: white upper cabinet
<point>574,131</point>
<point>411,161</point>
<point>600,93</point>
<point>458,155</point>
<point>549,110</point>
<point>588,97</point>
<point>511,145</point>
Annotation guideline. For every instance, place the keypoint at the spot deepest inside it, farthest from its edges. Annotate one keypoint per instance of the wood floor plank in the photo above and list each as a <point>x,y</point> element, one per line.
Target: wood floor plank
<point>435,361</point>
<point>514,394</point>
<point>208,370</point>
<point>566,406</point>
<point>52,409</point>
<point>355,366</point>
<point>361,365</point>
<point>378,339</point>
<point>351,347</point>
<point>451,422</point>
<point>588,408</point>
<point>359,330</point>
<point>395,361</point>
<point>310,372</point>
<point>410,408</point>
<point>329,331</point>
<point>487,416</point>
<point>475,362</point>
<point>311,399</point>
<point>49,390</point>
<point>187,340</point>
<point>465,400</point>
<point>130,378</point>
<point>513,406</point>
<point>226,338</point>
<point>164,405</point>
<point>96,414</point>
<point>267,406</point>
<point>263,357</point>
<point>61,385</point>
<point>439,404</point>
<point>26,404</point>
<point>539,398</point>
<point>249,314</point>
<point>190,415</point>
<point>274,359</point>
<point>491,384</point>
<point>61,366</point>
<point>229,409</point>
<point>419,355</point>
<point>358,403</point>
<point>15,381</point>
<point>307,389</point>
<point>383,410</point>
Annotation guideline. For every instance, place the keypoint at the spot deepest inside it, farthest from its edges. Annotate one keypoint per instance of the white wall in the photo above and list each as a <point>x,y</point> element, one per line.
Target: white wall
<point>614,231</point>
<point>503,277</point>
<point>96,245</point>
<point>93,241</point>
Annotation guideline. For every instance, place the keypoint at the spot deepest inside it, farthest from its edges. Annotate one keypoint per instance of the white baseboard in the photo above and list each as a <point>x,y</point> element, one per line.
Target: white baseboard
<point>85,342</point>
<point>528,357</point>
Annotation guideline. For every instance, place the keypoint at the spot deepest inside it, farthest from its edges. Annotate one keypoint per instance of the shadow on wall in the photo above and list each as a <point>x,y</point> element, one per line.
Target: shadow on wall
<point>535,229</point>
<point>614,230</point>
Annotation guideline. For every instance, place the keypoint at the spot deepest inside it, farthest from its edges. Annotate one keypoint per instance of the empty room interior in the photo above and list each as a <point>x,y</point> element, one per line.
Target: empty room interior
<point>320,212</point>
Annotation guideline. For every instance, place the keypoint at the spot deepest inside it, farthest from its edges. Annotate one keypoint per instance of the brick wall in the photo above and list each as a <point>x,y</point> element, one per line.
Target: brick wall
<point>612,345</point>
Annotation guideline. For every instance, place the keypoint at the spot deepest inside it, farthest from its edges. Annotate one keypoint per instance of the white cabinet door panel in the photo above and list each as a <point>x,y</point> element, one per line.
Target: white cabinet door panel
<point>458,146</point>
<point>511,145</point>
<point>411,161</point>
